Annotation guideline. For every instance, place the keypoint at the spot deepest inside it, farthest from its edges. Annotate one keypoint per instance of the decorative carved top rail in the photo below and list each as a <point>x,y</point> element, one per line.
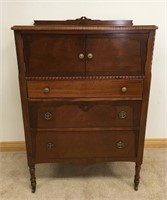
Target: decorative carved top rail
<point>83,24</point>
<point>84,21</point>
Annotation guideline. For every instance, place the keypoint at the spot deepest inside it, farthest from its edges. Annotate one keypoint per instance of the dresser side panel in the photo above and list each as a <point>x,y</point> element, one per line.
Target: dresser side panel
<point>146,91</point>
<point>23,95</point>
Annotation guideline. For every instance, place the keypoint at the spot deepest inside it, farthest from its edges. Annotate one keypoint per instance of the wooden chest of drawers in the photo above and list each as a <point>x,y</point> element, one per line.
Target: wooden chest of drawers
<point>84,88</point>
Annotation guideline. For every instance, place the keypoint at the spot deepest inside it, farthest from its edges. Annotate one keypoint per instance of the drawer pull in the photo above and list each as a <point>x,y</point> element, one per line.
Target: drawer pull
<point>122,114</point>
<point>48,115</point>
<point>120,145</point>
<point>90,55</point>
<point>50,145</point>
<point>46,90</point>
<point>81,56</point>
<point>124,89</point>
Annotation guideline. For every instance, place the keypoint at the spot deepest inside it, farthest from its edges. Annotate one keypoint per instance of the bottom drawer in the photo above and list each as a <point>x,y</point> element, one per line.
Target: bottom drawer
<point>115,144</point>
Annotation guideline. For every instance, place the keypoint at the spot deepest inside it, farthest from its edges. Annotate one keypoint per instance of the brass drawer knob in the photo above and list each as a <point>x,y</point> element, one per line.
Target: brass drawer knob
<point>48,115</point>
<point>122,114</point>
<point>90,55</point>
<point>46,90</point>
<point>81,56</point>
<point>50,145</point>
<point>120,145</point>
<point>124,89</point>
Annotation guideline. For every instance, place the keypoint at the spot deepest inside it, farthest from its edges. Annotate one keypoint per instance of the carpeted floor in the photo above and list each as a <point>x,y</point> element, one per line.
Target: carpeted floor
<point>113,181</point>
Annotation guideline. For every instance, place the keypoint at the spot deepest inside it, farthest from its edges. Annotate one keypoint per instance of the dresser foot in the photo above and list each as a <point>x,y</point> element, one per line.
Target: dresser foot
<point>33,178</point>
<point>137,176</point>
<point>136,188</point>
<point>33,189</point>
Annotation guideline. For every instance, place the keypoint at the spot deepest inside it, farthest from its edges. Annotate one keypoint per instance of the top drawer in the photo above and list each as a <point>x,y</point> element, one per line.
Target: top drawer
<point>85,89</point>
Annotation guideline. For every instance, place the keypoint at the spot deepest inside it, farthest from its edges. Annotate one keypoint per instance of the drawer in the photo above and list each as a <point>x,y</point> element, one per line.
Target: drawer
<point>85,88</point>
<point>117,144</point>
<point>99,114</point>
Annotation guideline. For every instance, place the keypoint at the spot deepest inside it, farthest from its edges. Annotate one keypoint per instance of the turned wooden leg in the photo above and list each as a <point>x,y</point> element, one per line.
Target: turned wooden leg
<point>137,176</point>
<point>33,178</point>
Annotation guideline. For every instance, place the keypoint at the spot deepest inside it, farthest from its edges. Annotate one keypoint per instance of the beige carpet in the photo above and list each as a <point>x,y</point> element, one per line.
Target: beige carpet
<point>112,181</point>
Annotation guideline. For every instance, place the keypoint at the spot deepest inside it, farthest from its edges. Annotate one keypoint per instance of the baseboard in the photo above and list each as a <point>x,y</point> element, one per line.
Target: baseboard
<point>12,146</point>
<point>156,143</point>
<point>20,145</point>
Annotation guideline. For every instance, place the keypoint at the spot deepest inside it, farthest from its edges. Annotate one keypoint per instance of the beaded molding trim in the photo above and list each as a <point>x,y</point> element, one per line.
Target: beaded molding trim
<point>82,28</point>
<point>83,77</point>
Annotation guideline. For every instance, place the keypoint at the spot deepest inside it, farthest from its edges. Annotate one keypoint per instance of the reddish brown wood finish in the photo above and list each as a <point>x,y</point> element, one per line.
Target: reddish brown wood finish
<point>123,54</point>
<point>101,114</point>
<point>84,21</point>
<point>84,144</point>
<point>47,54</point>
<point>84,88</point>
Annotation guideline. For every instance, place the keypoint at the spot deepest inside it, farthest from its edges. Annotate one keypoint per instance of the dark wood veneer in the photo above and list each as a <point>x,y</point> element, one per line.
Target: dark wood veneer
<point>88,114</point>
<point>84,144</point>
<point>84,88</point>
<point>84,21</point>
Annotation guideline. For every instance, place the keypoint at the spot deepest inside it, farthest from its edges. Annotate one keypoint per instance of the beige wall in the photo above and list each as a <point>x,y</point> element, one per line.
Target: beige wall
<point>23,12</point>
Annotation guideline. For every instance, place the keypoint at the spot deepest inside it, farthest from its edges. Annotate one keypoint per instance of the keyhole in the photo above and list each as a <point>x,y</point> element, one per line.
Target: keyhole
<point>86,108</point>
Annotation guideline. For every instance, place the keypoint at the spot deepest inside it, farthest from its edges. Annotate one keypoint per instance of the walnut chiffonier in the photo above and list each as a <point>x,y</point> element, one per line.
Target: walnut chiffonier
<point>84,88</point>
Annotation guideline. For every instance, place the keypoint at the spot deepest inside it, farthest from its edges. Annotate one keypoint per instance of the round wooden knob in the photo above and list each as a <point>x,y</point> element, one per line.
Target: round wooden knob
<point>81,56</point>
<point>124,89</point>
<point>46,90</point>
<point>90,55</point>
